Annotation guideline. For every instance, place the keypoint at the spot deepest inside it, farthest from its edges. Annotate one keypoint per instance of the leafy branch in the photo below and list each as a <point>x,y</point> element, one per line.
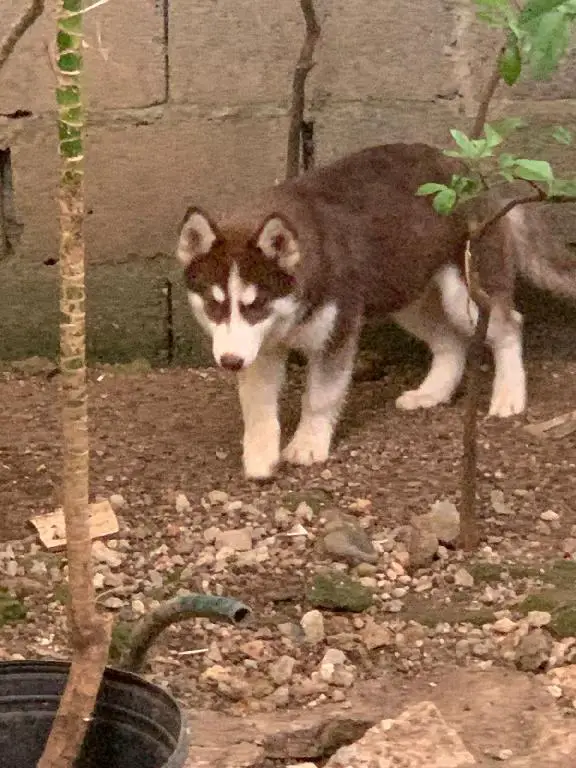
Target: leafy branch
<point>536,37</point>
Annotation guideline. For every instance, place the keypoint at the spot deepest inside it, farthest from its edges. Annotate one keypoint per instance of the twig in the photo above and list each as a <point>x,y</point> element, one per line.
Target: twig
<point>19,28</point>
<point>303,67</point>
<point>308,146</point>
<point>487,96</point>
<point>469,533</point>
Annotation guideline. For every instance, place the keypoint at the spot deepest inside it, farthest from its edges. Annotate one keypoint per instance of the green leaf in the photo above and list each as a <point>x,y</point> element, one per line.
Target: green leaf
<point>507,160</point>
<point>562,135</point>
<point>536,8</point>
<point>493,138</point>
<point>430,188</point>
<point>534,170</point>
<point>548,40</point>
<point>562,188</point>
<point>510,61</point>
<point>465,144</point>
<point>508,125</point>
<point>444,201</point>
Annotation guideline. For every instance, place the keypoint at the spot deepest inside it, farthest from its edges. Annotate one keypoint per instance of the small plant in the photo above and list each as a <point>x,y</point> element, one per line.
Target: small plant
<point>535,39</point>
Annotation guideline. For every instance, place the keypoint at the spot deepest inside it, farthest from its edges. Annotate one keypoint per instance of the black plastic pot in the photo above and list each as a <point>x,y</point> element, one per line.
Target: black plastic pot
<point>136,724</point>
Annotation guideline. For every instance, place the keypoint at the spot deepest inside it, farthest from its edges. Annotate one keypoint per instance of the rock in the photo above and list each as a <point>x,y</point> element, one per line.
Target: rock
<point>103,554</point>
<point>337,591</point>
<point>312,624</point>
<point>538,618</point>
<point>237,540</point>
<point>334,656</point>
<point>418,737</point>
<point>533,651</point>
<point>230,685</point>
<point>218,497</point>
<point>182,504</point>
<point>549,516</point>
<point>113,603</point>
<point>377,636</point>
<point>282,669</point>
<point>504,625</point>
<point>347,540</point>
<point>565,677</point>
<point>117,502</point>
<point>463,579</point>
<point>498,504</point>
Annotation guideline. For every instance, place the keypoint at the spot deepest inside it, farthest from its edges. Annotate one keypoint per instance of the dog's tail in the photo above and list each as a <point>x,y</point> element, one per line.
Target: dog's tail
<point>538,254</point>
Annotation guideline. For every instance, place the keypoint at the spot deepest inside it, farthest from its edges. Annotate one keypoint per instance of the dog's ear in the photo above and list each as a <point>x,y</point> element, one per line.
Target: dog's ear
<point>277,240</point>
<point>197,236</point>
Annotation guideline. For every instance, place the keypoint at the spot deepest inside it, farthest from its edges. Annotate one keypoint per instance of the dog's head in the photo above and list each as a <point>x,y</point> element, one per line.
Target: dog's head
<point>241,285</point>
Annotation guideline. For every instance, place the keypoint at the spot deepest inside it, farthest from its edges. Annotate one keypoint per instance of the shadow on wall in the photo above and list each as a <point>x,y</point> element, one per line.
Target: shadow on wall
<point>127,318</point>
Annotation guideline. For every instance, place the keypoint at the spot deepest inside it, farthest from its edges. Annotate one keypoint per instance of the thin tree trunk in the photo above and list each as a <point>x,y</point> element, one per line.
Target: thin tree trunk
<point>89,631</point>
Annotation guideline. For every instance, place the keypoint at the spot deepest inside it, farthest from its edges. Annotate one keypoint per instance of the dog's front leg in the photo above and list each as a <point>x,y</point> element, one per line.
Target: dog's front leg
<point>259,387</point>
<point>327,383</point>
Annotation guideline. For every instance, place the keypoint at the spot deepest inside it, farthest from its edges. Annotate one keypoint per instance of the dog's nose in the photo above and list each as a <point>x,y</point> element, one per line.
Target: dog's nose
<point>231,362</point>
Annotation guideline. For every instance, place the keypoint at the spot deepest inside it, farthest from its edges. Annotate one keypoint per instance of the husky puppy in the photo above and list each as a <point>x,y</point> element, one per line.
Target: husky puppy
<point>302,265</point>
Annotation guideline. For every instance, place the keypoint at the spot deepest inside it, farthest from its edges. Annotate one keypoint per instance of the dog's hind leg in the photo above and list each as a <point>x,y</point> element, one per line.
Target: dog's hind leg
<point>504,337</point>
<point>327,382</point>
<point>425,319</point>
<point>259,388</point>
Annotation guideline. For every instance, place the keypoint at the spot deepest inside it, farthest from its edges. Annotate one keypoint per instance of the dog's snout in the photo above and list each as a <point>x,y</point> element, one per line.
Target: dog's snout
<point>231,362</point>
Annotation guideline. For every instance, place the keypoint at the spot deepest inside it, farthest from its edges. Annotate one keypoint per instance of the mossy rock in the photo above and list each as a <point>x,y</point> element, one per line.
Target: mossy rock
<point>563,622</point>
<point>336,591</point>
<point>430,614</point>
<point>11,609</point>
<point>486,573</point>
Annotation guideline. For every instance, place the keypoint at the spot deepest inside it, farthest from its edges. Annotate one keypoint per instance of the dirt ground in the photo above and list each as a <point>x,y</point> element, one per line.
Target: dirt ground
<point>158,433</point>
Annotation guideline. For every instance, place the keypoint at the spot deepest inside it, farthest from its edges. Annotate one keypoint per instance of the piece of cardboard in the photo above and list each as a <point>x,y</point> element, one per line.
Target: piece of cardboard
<point>52,530</point>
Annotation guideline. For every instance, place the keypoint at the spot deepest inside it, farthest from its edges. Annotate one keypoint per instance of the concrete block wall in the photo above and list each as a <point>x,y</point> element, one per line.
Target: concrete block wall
<point>188,101</point>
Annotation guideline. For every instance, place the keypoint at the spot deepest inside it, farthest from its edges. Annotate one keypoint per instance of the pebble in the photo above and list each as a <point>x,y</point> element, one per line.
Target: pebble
<point>117,502</point>
<point>549,516</point>
<point>218,497</point>
<point>504,625</point>
<point>312,624</point>
<point>103,554</point>
<point>182,504</point>
<point>237,540</point>
<point>282,670</point>
<point>538,618</point>
<point>462,578</point>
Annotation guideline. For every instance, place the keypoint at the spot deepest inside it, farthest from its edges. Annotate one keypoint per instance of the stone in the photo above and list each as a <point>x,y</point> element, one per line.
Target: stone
<point>549,516</point>
<point>504,625</point>
<point>538,618</point>
<point>103,554</point>
<point>347,540</point>
<point>337,591</point>
<point>565,677</point>
<point>377,636</point>
<point>217,497</point>
<point>334,656</point>
<point>282,669</point>
<point>462,578</point>
<point>312,624</point>
<point>117,502</point>
<point>533,651</point>
<point>182,504</point>
<point>418,737</point>
<point>238,540</point>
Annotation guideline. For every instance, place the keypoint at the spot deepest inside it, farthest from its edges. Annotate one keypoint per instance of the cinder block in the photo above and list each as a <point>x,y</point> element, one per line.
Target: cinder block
<point>384,50</point>
<point>233,51</point>
<point>124,58</point>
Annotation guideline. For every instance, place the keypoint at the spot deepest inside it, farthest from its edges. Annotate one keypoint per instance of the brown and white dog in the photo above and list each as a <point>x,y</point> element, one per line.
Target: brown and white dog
<point>305,263</point>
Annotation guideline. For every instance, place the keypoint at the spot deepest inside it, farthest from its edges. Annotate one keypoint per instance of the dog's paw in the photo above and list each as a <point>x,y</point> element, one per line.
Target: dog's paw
<point>507,402</point>
<point>261,456</point>
<point>414,399</point>
<point>307,448</point>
